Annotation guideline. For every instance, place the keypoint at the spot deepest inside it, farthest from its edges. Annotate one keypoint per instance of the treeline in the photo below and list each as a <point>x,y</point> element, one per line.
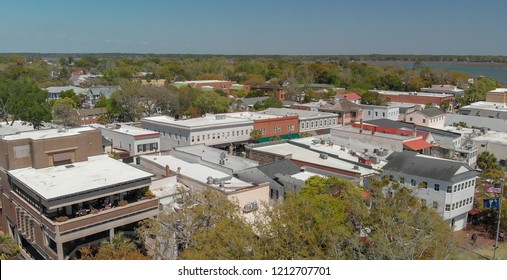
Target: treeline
<point>366,57</point>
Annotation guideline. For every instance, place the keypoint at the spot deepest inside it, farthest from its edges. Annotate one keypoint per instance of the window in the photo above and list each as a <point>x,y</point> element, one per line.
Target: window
<point>62,158</point>
<point>402,180</point>
<point>455,188</point>
<point>448,207</point>
<point>412,182</point>
<point>263,131</point>
<point>435,204</point>
<point>384,115</point>
<point>193,139</point>
<point>325,122</point>
<point>369,113</point>
<point>21,151</point>
<point>410,118</point>
<point>437,187</point>
<point>424,120</point>
<point>376,114</point>
<point>320,122</point>
<point>453,206</point>
<point>277,129</point>
<point>153,146</point>
<point>473,182</point>
<point>290,127</point>
<point>461,203</point>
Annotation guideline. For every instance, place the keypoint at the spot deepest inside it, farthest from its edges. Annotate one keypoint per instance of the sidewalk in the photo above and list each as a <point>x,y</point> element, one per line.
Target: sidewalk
<point>483,249</point>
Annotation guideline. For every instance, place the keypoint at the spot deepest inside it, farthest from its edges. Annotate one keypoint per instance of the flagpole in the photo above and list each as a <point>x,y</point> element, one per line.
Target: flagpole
<point>499,218</point>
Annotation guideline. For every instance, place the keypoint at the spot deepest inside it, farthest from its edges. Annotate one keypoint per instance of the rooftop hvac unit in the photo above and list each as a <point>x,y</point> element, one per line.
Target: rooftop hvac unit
<point>315,141</point>
<point>375,160</point>
<point>209,180</point>
<point>322,141</point>
<point>356,167</point>
<point>323,156</point>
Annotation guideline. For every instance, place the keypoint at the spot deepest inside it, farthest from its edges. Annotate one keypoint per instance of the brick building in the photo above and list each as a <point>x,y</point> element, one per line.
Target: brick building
<point>417,97</point>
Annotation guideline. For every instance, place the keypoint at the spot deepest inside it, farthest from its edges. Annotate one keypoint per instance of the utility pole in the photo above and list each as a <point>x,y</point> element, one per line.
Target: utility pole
<point>499,218</point>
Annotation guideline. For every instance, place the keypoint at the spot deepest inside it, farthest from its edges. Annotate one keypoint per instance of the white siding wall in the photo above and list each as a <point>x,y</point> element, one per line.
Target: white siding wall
<point>317,124</point>
<point>221,136</point>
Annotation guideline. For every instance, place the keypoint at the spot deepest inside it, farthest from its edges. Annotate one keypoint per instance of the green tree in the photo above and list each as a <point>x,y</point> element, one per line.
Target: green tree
<point>404,229</point>
<point>487,161</point>
<point>26,102</point>
<point>8,249</point>
<point>477,91</point>
<point>373,98</point>
<point>211,102</point>
<point>268,103</point>
<point>255,135</point>
<point>64,112</point>
<point>118,248</point>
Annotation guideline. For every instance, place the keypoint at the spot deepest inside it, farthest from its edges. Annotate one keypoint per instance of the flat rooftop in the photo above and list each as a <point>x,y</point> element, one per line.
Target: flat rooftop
<point>326,148</point>
<point>336,131</point>
<point>214,155</point>
<point>86,176</point>
<point>499,90</point>
<point>132,130</point>
<point>17,127</point>
<point>418,93</point>
<point>47,133</point>
<point>303,114</point>
<point>307,155</point>
<point>305,175</point>
<point>493,137</point>
<point>252,115</point>
<point>209,120</point>
<point>197,171</point>
<point>484,105</point>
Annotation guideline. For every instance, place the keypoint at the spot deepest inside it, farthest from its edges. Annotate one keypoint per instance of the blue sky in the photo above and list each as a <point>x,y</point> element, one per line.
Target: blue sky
<point>255,26</point>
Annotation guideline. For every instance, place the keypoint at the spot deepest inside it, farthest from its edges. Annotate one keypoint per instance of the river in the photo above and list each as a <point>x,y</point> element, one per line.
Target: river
<point>496,71</point>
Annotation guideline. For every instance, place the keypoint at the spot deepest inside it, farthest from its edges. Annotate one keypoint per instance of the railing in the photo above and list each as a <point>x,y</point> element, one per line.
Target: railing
<point>109,214</point>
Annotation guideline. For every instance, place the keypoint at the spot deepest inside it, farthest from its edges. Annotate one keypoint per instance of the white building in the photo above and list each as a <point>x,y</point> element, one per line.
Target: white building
<point>447,186</point>
<point>493,142</point>
<point>308,120</point>
<point>133,139</point>
<point>449,89</point>
<point>431,117</point>
<point>373,112</point>
<point>209,130</point>
<point>493,110</point>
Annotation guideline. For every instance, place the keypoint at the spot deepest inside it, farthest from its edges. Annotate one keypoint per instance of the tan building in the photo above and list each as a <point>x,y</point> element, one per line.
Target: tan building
<point>59,192</point>
<point>498,95</point>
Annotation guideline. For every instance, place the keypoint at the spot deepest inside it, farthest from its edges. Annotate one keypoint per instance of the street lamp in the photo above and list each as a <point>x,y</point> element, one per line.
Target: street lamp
<point>499,217</point>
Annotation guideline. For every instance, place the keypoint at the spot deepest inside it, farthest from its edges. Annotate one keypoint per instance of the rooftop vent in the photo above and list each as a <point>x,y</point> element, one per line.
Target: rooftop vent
<point>323,155</point>
<point>356,167</point>
<point>69,166</point>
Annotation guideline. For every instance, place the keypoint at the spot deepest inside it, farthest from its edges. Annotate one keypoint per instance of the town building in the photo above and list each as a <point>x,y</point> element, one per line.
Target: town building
<point>309,121</point>
<point>90,116</point>
<point>198,177</point>
<point>271,126</point>
<point>130,139</point>
<point>493,142</point>
<point>247,104</point>
<point>271,90</point>
<point>350,96</point>
<point>498,95</point>
<point>448,89</point>
<point>485,109</point>
<point>59,192</point>
<point>210,130</point>
<point>54,92</point>
<point>476,122</point>
<point>445,185</point>
<point>374,112</point>
<point>95,92</point>
<point>304,155</point>
<point>444,143</point>
<point>429,116</point>
<point>348,112</point>
<point>422,98</point>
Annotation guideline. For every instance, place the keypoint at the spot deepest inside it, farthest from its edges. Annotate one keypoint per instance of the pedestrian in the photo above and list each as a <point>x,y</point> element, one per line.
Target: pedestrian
<point>468,235</point>
<point>474,238</point>
<point>500,236</point>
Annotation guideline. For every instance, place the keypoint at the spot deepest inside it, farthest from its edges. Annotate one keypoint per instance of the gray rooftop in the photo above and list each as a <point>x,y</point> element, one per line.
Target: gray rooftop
<point>492,124</point>
<point>415,164</point>
<point>432,112</point>
<point>214,155</point>
<point>252,100</point>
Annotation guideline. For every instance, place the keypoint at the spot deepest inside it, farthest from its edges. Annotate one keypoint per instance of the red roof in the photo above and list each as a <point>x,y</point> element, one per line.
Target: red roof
<point>474,211</point>
<point>349,96</point>
<point>417,144</point>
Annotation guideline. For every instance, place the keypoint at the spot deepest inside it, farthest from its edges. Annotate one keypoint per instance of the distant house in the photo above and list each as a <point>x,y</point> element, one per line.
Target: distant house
<point>431,116</point>
<point>94,93</point>
<point>247,104</point>
<point>351,96</point>
<point>89,116</point>
<point>348,112</point>
<point>213,85</point>
<point>374,112</point>
<point>54,92</point>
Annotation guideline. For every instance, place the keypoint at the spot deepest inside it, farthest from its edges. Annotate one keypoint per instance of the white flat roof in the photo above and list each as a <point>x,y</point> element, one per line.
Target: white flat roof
<point>303,114</point>
<point>132,130</point>
<point>493,137</point>
<point>418,93</point>
<point>208,120</point>
<point>252,115</point>
<point>307,155</point>
<point>17,126</point>
<point>196,171</point>
<point>499,90</point>
<point>484,105</point>
<point>303,176</point>
<point>94,174</point>
<point>335,150</point>
<point>213,155</point>
<point>47,133</point>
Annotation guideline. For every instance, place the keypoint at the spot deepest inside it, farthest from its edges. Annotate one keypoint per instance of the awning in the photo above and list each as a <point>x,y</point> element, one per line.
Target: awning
<point>417,144</point>
<point>474,211</point>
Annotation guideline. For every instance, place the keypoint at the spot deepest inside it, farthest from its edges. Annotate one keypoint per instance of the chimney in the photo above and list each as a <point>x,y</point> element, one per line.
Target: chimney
<point>167,171</point>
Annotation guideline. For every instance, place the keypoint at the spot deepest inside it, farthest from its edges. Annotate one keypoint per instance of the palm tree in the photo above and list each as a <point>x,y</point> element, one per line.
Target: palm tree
<point>486,161</point>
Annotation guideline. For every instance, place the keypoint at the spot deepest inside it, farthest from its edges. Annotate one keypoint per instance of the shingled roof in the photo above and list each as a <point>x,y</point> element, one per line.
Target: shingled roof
<point>342,106</point>
<point>415,164</point>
